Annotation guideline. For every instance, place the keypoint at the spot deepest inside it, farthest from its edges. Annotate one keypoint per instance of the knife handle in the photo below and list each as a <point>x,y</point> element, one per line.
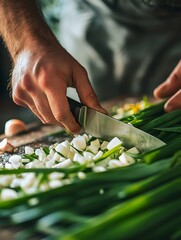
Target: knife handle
<point>75,107</point>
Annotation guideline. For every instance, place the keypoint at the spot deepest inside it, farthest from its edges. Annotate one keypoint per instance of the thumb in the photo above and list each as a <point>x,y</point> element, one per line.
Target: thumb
<point>86,92</point>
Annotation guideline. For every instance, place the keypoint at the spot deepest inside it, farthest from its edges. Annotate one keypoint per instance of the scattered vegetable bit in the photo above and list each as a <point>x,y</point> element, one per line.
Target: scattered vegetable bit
<point>13,127</point>
<point>5,146</point>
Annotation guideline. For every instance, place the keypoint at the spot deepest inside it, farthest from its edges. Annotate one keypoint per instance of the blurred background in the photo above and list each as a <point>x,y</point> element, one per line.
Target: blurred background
<point>8,109</point>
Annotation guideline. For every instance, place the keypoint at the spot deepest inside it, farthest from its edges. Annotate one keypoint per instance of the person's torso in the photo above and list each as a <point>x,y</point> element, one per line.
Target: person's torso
<point>128,47</point>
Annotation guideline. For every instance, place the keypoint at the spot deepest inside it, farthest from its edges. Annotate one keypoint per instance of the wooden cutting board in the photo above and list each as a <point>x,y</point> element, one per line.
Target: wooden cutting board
<point>34,133</point>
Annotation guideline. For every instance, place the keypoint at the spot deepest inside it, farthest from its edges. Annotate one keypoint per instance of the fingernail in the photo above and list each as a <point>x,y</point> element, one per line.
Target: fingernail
<point>168,107</point>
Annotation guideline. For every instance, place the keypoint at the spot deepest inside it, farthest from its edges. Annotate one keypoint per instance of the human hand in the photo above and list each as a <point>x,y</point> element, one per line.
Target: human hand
<point>171,89</point>
<point>40,79</point>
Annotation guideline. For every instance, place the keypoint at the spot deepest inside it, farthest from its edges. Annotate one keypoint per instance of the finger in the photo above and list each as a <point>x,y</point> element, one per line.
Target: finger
<point>33,108</point>
<point>56,95</point>
<point>174,102</point>
<point>171,85</point>
<point>23,99</point>
<point>43,107</point>
<point>40,101</point>
<point>85,91</point>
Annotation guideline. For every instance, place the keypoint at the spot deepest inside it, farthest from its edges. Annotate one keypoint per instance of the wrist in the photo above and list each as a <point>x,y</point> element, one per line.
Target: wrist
<point>36,41</point>
<point>23,28</point>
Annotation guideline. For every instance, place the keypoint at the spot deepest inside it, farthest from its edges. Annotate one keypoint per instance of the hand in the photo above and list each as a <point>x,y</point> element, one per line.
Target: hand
<point>40,79</point>
<point>42,68</point>
<point>171,89</point>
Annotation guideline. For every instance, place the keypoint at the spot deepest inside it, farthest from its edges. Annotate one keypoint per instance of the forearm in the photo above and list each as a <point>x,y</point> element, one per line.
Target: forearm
<point>22,26</point>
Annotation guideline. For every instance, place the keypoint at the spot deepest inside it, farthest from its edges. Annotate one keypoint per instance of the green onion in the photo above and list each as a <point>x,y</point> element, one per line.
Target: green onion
<point>165,151</point>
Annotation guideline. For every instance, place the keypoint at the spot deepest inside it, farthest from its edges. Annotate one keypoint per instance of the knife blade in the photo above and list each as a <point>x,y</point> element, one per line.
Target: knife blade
<point>105,127</point>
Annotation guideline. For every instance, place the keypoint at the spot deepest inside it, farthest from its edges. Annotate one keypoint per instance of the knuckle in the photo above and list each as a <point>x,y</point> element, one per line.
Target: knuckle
<point>27,83</point>
<point>83,71</point>
<point>44,76</point>
<point>91,97</point>
<point>44,81</point>
<point>61,117</point>
<point>47,120</point>
<point>175,78</point>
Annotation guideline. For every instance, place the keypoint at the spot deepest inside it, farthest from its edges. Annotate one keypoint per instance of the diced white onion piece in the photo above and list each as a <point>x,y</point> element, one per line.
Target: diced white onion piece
<point>104,162</point>
<point>92,148</point>
<point>29,150</point>
<point>55,183</point>
<point>65,164</point>
<point>88,155</point>
<point>35,164</point>
<point>41,154</point>
<point>86,137</point>
<point>6,180</point>
<point>44,187</point>
<point>66,144</point>
<point>133,150</point>
<point>8,165</point>
<point>81,175</point>
<point>52,151</point>
<point>15,183</point>
<point>7,194</point>
<point>29,165</point>
<point>49,163</point>
<point>114,163</point>
<point>95,143</point>
<point>15,160</point>
<point>28,180</point>
<point>25,160</point>
<point>56,157</point>
<point>31,190</point>
<point>113,143</point>
<point>126,160</point>
<point>64,151</point>
<point>33,201</point>
<point>99,169</point>
<point>104,145</point>
<point>80,159</point>
<point>79,142</point>
<point>62,159</point>
<point>56,175</point>
<point>98,155</point>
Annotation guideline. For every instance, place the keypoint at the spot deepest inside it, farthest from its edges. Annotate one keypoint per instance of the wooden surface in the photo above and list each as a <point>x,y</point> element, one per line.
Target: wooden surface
<point>32,136</point>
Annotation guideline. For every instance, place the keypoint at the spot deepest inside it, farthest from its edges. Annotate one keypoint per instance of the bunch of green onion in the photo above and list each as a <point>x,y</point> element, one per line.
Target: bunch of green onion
<point>141,201</point>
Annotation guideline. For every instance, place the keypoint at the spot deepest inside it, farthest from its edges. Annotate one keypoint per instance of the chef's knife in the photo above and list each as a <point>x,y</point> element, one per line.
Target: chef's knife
<point>105,127</point>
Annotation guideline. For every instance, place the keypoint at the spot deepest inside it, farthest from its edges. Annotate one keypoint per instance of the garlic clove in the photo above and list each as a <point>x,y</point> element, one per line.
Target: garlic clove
<point>5,146</point>
<point>13,127</point>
